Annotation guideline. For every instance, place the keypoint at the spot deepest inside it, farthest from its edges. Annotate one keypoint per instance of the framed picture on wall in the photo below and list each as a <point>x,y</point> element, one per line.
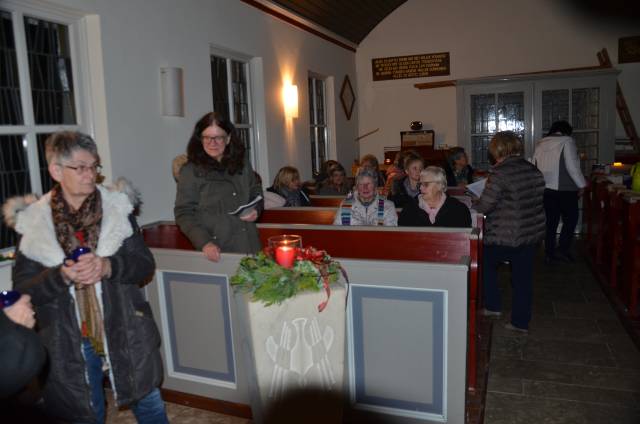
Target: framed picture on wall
<point>347,97</point>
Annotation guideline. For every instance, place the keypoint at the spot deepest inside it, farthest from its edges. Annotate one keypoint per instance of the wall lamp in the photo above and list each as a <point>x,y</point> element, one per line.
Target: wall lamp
<point>172,91</point>
<point>290,100</point>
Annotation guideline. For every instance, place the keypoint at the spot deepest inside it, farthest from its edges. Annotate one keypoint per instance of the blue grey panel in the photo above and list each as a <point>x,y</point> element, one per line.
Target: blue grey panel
<point>221,282</point>
<point>432,331</point>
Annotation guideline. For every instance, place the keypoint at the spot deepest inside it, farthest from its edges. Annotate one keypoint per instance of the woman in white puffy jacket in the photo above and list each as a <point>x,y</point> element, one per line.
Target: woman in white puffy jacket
<point>557,158</point>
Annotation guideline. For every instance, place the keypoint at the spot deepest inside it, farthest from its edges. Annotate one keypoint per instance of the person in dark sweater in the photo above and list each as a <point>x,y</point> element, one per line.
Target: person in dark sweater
<point>434,208</point>
<point>287,185</point>
<point>514,226</point>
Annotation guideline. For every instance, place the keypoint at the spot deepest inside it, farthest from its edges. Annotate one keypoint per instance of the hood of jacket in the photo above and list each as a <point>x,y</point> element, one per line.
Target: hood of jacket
<point>31,218</point>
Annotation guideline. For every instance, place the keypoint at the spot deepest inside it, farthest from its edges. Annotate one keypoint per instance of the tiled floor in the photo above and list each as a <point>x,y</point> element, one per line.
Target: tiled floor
<point>577,365</point>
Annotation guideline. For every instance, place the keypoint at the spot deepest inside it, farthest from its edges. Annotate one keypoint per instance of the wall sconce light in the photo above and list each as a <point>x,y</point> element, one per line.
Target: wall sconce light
<point>290,99</point>
<point>172,91</point>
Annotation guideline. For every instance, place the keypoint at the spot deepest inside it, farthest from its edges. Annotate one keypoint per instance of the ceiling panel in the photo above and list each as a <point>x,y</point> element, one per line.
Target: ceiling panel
<point>350,19</point>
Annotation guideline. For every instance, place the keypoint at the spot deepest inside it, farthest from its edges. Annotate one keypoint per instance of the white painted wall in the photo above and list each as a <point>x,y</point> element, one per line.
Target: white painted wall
<point>139,37</point>
<point>484,38</point>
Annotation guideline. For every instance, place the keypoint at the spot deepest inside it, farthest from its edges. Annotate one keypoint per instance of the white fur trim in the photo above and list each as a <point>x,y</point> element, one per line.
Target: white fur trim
<point>39,242</point>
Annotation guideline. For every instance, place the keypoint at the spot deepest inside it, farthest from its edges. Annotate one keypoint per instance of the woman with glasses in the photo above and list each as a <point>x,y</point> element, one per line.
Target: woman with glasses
<point>216,180</point>
<point>434,208</point>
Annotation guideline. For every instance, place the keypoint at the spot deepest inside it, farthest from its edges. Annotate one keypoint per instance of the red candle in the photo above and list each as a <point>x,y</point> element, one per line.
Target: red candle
<point>285,255</point>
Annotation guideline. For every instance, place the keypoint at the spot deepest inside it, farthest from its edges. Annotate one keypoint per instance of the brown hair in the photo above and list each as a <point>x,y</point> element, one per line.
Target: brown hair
<point>285,176</point>
<point>233,156</point>
<point>504,144</point>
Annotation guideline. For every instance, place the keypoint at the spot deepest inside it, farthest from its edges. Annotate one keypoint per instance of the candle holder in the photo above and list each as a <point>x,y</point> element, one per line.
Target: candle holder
<point>285,249</point>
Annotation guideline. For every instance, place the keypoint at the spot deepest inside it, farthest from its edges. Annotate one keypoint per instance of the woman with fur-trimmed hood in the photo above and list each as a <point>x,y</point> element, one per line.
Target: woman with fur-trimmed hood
<point>91,313</point>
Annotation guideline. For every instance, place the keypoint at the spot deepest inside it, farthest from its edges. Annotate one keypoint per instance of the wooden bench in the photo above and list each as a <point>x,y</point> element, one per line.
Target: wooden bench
<point>445,245</point>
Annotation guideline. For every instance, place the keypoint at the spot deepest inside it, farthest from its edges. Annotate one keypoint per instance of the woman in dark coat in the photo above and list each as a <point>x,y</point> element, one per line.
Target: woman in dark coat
<point>288,186</point>
<point>513,204</point>
<point>216,180</point>
<point>433,207</point>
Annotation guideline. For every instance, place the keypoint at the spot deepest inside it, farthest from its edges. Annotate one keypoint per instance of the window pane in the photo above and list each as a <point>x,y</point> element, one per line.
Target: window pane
<point>320,102</point>
<point>511,112</point>
<point>483,114</point>
<point>322,146</point>
<point>245,136</point>
<point>585,104</point>
<point>240,98</point>
<point>14,177</point>
<point>219,84</point>
<point>314,158</point>
<point>479,151</point>
<point>10,107</point>
<point>587,144</point>
<point>50,72</point>
<point>555,107</point>
<point>45,178</point>
<point>312,115</point>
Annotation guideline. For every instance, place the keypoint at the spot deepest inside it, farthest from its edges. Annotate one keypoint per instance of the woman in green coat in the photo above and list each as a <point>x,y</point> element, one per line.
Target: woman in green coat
<point>214,182</point>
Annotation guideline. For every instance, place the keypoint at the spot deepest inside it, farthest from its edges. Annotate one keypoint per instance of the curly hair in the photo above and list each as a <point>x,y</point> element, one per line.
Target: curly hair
<point>233,156</point>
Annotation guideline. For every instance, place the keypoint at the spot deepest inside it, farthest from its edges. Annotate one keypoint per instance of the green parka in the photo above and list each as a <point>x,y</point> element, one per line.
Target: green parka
<point>203,202</point>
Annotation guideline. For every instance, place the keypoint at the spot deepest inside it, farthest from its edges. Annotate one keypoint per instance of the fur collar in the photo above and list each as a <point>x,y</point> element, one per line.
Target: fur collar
<point>31,218</point>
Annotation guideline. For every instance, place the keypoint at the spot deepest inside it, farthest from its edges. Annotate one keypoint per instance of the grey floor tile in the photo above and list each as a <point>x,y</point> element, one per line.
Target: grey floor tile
<point>507,347</point>
<point>504,385</point>
<point>611,325</point>
<point>590,376</point>
<point>586,310</point>
<point>568,352</point>
<point>544,389</point>
<point>514,409</point>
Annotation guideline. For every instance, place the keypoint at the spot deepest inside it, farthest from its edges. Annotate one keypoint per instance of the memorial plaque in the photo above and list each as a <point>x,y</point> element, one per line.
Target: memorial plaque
<point>629,49</point>
<point>414,66</point>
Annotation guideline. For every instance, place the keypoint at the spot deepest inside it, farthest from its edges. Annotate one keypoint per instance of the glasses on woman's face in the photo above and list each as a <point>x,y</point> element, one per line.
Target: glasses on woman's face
<point>425,184</point>
<point>215,139</point>
<point>81,169</point>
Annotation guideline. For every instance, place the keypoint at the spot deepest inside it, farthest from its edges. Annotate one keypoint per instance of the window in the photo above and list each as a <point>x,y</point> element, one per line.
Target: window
<point>318,123</point>
<point>529,105</point>
<point>37,97</point>
<point>491,113</point>
<point>231,81</point>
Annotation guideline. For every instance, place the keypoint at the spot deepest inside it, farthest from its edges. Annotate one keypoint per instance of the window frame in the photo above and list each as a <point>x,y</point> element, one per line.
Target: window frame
<point>29,130</point>
<point>247,62</point>
<point>314,125</point>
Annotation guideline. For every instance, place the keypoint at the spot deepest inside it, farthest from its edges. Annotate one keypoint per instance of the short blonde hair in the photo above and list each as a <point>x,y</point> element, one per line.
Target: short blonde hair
<point>285,177</point>
<point>504,144</point>
<point>435,173</point>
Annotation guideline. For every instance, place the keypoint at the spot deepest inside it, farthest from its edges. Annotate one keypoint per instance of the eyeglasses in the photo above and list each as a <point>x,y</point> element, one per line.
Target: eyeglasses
<point>426,183</point>
<point>81,169</point>
<point>215,138</point>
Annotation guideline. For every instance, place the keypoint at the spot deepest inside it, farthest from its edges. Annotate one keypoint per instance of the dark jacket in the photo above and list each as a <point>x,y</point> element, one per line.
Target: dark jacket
<point>131,336</point>
<point>203,202</point>
<point>399,195</point>
<point>512,202</point>
<point>452,214</point>
<point>292,198</point>
<point>22,356</point>
<point>451,178</point>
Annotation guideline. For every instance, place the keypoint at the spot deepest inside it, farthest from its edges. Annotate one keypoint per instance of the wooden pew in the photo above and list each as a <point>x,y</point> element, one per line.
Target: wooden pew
<point>326,201</point>
<point>629,287</point>
<point>299,215</point>
<point>446,245</point>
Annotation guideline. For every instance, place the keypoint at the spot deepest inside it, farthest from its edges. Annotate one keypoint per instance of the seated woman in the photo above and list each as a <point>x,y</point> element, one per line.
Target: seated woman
<point>336,184</point>
<point>459,172</point>
<point>288,186</point>
<point>434,208</point>
<point>407,189</point>
<point>323,175</point>
<point>371,162</point>
<point>366,207</point>
<point>216,180</point>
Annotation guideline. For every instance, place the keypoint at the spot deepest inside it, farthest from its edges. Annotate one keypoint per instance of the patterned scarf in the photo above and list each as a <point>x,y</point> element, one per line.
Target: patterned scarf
<point>75,229</point>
